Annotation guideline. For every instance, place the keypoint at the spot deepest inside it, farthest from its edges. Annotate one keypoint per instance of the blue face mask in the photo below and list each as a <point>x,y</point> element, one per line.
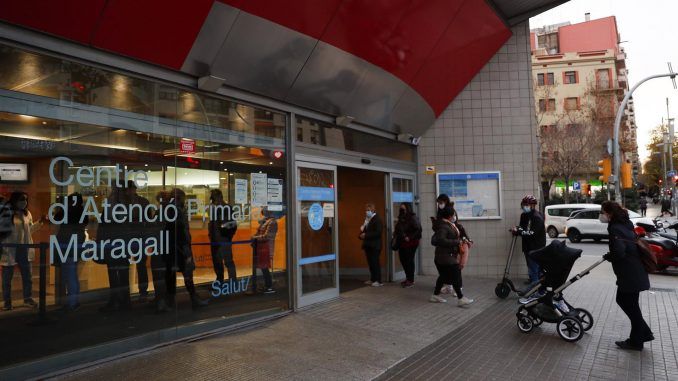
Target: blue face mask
<point>369,214</point>
<point>526,209</point>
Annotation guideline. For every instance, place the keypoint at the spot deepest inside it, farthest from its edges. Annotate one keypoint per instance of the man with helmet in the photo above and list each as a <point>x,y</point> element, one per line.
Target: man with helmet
<point>531,228</point>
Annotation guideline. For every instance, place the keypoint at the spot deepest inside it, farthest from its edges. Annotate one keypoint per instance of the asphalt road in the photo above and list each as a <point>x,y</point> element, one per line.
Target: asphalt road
<point>590,248</point>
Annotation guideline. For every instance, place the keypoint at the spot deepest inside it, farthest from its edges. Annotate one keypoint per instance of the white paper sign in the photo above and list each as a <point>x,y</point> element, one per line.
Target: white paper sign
<point>275,190</point>
<point>328,209</point>
<point>259,189</point>
<point>241,191</point>
<point>13,172</point>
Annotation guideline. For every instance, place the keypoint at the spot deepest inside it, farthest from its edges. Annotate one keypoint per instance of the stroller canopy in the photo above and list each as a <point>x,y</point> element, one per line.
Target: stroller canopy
<point>556,260</point>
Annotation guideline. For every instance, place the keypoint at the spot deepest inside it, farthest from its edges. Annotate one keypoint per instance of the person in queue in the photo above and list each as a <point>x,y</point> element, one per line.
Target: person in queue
<point>221,230</point>
<point>628,268</point>
<point>263,247</point>
<point>531,229</point>
<point>142,271</point>
<point>180,252</point>
<point>443,201</point>
<point>370,234</point>
<point>162,266</point>
<point>69,267</point>
<point>446,241</point>
<point>21,234</point>
<point>407,235</point>
<point>117,268</point>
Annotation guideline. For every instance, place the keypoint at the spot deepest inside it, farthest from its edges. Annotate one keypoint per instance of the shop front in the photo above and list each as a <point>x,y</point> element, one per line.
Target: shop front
<point>133,212</point>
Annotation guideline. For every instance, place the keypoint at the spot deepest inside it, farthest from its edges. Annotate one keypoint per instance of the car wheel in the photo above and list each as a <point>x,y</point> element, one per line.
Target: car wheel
<point>573,235</point>
<point>552,232</point>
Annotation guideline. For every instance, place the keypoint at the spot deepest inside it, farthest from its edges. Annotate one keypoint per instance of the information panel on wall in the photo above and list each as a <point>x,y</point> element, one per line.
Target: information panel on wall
<point>476,195</point>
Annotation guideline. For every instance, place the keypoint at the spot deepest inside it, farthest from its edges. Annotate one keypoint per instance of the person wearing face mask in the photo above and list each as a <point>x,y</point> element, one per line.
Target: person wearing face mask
<point>632,278</point>
<point>533,233</point>
<point>370,234</point>
<point>21,233</point>
<point>407,235</point>
<point>263,246</point>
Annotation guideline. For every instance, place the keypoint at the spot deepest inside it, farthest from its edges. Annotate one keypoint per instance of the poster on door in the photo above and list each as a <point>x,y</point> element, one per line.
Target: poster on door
<point>241,191</point>
<point>259,189</point>
<point>275,190</point>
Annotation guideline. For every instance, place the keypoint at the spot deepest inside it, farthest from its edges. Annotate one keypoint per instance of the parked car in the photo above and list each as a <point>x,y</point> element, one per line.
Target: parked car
<point>585,224</point>
<point>555,216</point>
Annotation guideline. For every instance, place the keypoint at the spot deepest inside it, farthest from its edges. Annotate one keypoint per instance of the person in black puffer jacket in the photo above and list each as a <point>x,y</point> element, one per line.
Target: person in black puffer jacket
<point>631,275</point>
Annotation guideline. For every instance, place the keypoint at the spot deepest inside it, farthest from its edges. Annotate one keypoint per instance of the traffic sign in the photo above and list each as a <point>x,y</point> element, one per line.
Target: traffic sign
<point>576,185</point>
<point>670,173</point>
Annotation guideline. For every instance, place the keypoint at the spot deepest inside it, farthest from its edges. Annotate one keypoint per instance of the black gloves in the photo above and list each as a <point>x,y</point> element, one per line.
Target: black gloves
<point>608,257</point>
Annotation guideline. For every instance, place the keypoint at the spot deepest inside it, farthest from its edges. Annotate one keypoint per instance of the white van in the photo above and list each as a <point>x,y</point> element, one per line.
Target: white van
<point>556,215</point>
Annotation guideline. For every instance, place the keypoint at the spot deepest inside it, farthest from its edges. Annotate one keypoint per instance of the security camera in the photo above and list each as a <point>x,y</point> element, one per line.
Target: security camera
<point>415,141</point>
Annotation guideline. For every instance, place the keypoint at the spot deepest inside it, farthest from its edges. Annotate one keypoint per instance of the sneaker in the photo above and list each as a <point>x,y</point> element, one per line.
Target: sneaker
<point>269,290</point>
<point>409,284</point>
<point>368,282</point>
<point>448,290</point>
<point>377,284</point>
<point>30,302</point>
<point>464,301</point>
<point>7,307</point>
<point>403,283</point>
<point>436,299</point>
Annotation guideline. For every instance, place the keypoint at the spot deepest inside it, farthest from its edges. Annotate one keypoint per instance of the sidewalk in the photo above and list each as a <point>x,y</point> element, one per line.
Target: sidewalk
<point>395,334</point>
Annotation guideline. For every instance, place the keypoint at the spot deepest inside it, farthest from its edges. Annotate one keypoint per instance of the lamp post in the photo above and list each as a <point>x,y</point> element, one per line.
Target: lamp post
<point>614,178</point>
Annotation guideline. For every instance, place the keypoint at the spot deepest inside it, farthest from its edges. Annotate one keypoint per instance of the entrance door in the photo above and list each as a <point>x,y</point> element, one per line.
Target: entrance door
<point>401,190</point>
<point>316,254</point>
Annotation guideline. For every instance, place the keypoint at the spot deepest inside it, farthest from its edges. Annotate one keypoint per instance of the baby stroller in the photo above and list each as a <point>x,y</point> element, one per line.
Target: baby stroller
<point>556,261</point>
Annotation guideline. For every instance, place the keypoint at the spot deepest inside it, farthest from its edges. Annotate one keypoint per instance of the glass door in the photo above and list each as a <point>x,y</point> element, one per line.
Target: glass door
<point>401,190</point>
<point>316,254</point>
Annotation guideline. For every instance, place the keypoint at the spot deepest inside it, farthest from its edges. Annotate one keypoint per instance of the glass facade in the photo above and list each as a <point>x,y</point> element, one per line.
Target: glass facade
<point>131,207</point>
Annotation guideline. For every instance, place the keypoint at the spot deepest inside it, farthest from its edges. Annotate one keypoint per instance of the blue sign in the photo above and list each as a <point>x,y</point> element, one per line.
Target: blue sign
<point>402,197</point>
<point>316,217</point>
<point>576,185</point>
<point>470,176</point>
<point>315,194</point>
<point>670,173</point>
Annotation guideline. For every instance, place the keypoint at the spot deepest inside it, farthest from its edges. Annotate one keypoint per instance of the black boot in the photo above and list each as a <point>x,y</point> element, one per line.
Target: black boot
<point>196,302</point>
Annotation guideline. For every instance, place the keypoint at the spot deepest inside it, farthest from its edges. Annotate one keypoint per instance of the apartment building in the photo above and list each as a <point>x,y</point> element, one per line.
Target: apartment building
<point>580,77</point>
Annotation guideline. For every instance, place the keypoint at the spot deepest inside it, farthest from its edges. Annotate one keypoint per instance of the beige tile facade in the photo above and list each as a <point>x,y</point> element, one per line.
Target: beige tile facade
<point>490,126</point>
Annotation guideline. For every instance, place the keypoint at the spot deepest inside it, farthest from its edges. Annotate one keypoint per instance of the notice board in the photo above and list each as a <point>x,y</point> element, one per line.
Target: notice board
<point>476,195</point>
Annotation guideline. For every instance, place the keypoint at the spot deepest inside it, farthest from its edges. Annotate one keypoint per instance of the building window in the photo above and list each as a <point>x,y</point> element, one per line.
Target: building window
<point>603,79</point>
<point>545,79</point>
<point>570,77</point>
<point>571,103</point>
<point>546,105</point>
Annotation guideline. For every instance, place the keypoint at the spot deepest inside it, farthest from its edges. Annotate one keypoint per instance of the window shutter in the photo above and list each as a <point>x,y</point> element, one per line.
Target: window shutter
<point>576,77</point>
<point>564,78</point>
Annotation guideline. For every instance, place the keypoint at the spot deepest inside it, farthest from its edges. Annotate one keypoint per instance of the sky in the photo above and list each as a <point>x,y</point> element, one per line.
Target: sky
<point>650,28</point>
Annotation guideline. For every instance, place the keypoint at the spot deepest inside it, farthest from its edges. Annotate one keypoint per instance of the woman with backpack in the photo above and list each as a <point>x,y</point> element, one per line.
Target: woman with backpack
<point>406,240</point>
<point>631,275</point>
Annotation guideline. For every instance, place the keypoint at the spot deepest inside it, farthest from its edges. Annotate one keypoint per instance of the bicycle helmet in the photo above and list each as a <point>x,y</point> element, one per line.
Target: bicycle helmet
<point>528,200</point>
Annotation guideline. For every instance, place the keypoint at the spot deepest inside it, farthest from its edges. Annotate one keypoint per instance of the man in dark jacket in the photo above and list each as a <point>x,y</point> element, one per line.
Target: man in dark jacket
<point>370,233</point>
<point>532,230</point>
<point>221,229</point>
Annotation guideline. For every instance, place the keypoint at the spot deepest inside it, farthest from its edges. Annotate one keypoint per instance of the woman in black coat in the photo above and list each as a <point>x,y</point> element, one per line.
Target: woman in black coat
<point>631,275</point>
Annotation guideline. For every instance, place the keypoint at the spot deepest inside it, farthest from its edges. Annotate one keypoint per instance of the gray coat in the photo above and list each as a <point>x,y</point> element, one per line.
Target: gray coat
<point>446,241</point>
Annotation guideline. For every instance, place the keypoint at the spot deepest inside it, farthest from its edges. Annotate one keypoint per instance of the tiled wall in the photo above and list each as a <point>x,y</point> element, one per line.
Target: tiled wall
<point>490,126</point>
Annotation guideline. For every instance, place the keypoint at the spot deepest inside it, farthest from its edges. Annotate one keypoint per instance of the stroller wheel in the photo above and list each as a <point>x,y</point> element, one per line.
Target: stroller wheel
<point>502,290</point>
<point>570,329</point>
<point>525,324</point>
<point>585,318</point>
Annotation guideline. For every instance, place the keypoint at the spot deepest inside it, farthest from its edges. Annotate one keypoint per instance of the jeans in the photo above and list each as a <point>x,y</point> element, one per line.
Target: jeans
<point>222,254</point>
<point>448,274</point>
<point>8,273</point>
<point>533,269</point>
<point>407,260</point>
<point>373,264</point>
<point>628,302</point>
<point>69,276</point>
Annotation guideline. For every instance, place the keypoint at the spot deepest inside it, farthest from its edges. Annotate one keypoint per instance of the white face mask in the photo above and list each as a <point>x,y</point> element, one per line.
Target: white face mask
<point>526,209</point>
<point>604,218</point>
<point>441,205</point>
<point>454,218</point>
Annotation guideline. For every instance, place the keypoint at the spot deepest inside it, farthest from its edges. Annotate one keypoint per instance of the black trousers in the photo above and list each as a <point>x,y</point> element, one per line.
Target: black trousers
<point>407,260</point>
<point>222,254</point>
<point>628,302</point>
<point>448,274</point>
<point>118,281</point>
<point>142,275</point>
<point>373,263</point>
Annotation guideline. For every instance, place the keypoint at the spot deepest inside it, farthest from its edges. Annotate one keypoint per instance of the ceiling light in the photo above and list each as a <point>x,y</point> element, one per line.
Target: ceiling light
<point>44,122</point>
<point>230,174</point>
<point>26,116</point>
<point>223,178</point>
<point>221,162</point>
<point>145,165</point>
